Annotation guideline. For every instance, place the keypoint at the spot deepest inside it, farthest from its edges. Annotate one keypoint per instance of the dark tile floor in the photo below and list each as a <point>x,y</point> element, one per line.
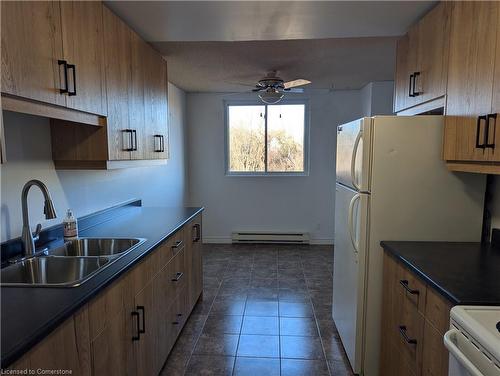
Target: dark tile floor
<point>266,310</point>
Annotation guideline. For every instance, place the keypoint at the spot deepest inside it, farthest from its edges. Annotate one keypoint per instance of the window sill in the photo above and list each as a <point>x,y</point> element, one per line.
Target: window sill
<point>265,174</point>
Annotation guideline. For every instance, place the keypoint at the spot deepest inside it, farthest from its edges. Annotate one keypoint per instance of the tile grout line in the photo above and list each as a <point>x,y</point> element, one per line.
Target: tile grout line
<point>203,327</point>
<point>316,321</point>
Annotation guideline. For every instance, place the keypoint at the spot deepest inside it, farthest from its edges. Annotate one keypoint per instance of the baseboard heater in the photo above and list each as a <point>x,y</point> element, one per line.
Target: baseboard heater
<point>270,237</point>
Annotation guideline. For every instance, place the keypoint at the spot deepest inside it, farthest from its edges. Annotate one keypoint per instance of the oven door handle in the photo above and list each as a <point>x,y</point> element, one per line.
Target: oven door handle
<point>449,342</point>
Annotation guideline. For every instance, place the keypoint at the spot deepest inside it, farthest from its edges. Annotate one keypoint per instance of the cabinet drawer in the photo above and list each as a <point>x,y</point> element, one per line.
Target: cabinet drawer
<point>409,331</point>
<point>413,289</point>
<point>173,277</point>
<point>171,247</point>
<point>177,316</point>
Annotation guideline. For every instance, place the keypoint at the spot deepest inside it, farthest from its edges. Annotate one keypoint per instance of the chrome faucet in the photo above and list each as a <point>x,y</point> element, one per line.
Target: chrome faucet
<point>28,238</point>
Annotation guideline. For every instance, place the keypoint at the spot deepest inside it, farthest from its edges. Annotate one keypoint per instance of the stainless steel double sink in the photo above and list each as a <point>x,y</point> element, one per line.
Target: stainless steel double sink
<point>69,265</point>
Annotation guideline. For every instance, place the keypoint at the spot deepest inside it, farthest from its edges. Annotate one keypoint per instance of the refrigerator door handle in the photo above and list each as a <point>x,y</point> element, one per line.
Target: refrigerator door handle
<point>350,216</point>
<point>353,160</point>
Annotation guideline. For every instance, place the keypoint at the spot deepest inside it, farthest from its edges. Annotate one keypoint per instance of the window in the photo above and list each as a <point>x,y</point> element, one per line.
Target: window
<point>266,139</point>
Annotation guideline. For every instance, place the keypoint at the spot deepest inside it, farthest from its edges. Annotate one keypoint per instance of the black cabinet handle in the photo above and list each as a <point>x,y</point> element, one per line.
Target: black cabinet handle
<point>138,335</point>
<point>134,145</point>
<point>478,132</point>
<point>178,244</point>
<point>414,92</point>
<point>404,283</point>
<point>64,63</point>
<point>410,89</point>
<point>130,133</point>
<point>143,329</point>
<point>197,228</point>
<point>157,137</point>
<point>487,131</point>
<point>73,68</point>
<point>402,330</point>
<point>178,276</point>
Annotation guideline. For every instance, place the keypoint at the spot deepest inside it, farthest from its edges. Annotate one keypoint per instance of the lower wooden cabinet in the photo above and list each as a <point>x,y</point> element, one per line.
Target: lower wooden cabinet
<point>414,320</point>
<point>194,260</point>
<point>130,327</point>
<point>67,348</point>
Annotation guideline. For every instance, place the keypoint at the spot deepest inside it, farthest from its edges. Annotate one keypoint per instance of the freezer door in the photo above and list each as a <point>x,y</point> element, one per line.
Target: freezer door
<point>351,213</point>
<point>354,153</point>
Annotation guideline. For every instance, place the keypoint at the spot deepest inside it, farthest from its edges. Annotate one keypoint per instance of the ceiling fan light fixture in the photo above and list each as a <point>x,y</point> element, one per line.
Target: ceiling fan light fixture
<point>271,96</point>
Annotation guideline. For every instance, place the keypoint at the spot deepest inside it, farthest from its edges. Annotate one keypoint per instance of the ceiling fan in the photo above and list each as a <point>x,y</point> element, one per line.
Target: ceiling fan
<point>272,88</point>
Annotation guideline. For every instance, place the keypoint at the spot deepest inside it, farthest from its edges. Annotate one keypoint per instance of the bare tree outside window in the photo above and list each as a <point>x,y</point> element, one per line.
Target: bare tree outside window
<point>253,150</point>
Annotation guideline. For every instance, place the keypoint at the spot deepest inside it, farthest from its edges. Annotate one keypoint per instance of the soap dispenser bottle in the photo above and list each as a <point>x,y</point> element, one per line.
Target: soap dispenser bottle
<point>70,226</point>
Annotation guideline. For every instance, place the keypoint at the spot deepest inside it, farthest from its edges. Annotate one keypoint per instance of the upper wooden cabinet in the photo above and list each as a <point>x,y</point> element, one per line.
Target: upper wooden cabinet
<point>137,108</point>
<point>52,53</point>
<point>422,60</point>
<point>82,32</point>
<point>31,48</point>
<point>470,136</point>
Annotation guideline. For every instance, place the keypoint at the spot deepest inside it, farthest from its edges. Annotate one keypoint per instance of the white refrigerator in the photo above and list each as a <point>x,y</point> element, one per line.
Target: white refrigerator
<point>392,184</point>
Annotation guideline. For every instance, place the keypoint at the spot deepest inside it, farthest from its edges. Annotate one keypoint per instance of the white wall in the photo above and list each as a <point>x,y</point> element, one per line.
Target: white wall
<point>29,157</point>
<point>376,98</point>
<point>299,203</point>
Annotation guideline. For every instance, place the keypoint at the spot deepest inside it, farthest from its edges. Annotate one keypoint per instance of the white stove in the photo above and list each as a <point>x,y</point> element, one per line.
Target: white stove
<point>474,341</point>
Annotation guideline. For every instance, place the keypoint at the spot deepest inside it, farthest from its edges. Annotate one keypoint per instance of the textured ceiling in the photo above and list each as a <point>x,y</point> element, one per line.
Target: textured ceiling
<point>346,63</point>
<point>268,20</point>
<point>214,45</point>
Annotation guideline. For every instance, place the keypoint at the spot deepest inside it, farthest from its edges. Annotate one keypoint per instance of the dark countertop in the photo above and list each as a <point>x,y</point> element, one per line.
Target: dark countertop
<point>463,273</point>
<point>29,314</point>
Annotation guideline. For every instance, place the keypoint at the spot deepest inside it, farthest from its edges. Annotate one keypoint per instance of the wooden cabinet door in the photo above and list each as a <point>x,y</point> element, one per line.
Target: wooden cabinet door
<point>117,69</point>
<point>472,58</point>
<point>112,349</point>
<point>137,120</point>
<point>433,48</point>
<point>470,79</point>
<point>156,106</point>
<point>147,327</point>
<point>435,355</point>
<point>413,67</point>
<point>194,261</point>
<point>68,348</point>
<point>31,47</point>
<point>402,77</point>
<point>82,31</point>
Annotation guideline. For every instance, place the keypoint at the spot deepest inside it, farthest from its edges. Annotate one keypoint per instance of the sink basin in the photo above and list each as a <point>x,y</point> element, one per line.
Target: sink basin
<point>91,247</point>
<point>52,271</point>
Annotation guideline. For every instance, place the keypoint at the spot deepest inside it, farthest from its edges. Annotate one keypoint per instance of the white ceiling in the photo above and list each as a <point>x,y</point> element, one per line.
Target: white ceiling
<point>268,20</point>
<point>342,63</point>
<point>223,46</point>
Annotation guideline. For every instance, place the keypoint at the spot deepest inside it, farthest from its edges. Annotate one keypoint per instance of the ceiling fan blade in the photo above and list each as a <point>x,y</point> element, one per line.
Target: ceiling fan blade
<point>258,89</point>
<point>295,83</point>
<point>296,90</point>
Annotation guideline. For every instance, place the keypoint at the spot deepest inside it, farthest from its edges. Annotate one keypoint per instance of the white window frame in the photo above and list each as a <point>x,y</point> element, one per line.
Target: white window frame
<point>228,103</point>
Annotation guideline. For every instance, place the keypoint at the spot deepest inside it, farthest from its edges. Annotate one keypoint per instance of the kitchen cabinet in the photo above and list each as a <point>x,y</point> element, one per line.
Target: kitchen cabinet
<point>156,109</point>
<point>117,62</point>
<point>136,131</point>
<point>414,320</point>
<point>82,32</point>
<point>52,55</point>
<point>469,125</point>
<point>131,326</point>
<point>67,348</point>
<point>194,262</point>
<point>31,48</point>
<point>422,61</point>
